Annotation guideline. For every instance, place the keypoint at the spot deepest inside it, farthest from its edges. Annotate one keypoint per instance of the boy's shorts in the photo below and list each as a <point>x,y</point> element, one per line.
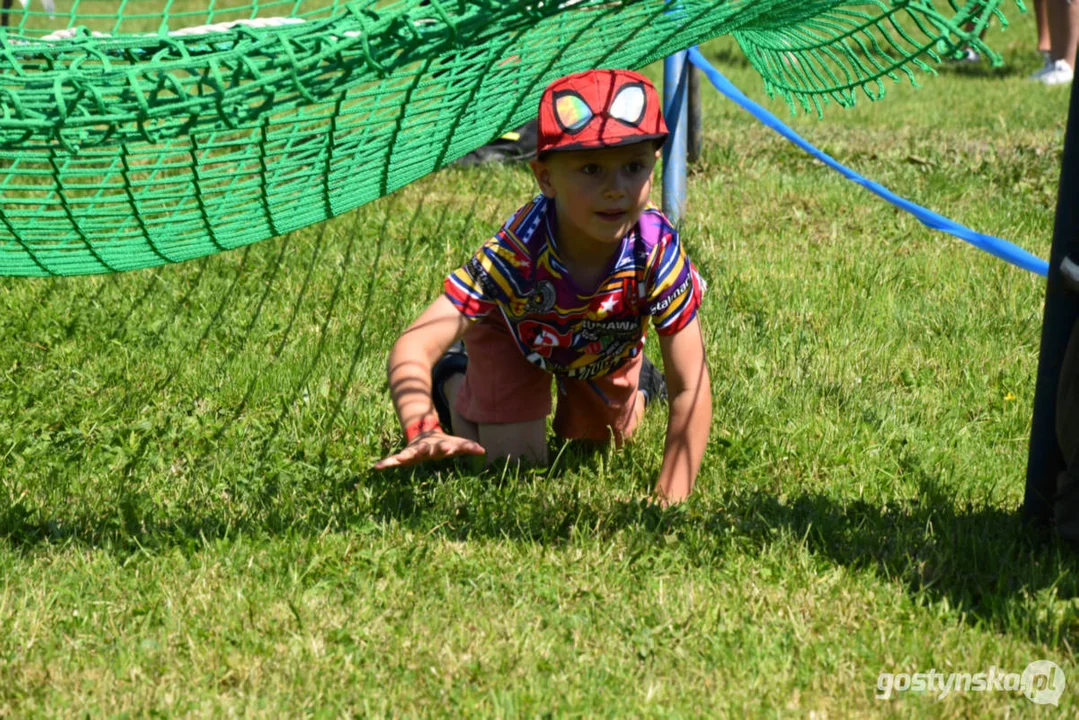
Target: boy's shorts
<point>502,387</point>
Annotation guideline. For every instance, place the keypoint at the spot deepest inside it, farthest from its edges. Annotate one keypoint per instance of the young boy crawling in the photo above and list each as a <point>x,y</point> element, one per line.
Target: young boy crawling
<point>566,288</point>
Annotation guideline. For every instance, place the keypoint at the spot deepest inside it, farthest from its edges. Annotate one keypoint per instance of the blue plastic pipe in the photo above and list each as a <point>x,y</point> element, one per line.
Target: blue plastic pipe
<point>676,112</point>
<point>1009,252</point>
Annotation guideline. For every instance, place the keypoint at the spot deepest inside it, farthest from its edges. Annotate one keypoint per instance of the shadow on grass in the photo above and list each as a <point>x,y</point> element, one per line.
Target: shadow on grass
<point>983,69</point>
<point>982,560</point>
<point>183,356</point>
<point>973,556</point>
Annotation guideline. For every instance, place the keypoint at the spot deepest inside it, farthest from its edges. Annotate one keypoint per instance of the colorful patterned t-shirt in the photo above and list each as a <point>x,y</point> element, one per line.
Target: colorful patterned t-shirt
<point>560,328</point>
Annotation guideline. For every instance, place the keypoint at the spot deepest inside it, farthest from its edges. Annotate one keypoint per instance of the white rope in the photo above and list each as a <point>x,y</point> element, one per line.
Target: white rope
<point>70,33</point>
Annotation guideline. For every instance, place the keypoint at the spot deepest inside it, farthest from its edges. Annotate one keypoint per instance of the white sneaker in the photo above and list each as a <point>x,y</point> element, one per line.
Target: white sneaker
<point>966,55</point>
<point>1059,73</point>
<point>970,55</point>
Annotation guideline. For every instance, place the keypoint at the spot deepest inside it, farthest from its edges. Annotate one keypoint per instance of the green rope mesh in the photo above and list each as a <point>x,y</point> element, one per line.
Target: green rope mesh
<point>133,136</point>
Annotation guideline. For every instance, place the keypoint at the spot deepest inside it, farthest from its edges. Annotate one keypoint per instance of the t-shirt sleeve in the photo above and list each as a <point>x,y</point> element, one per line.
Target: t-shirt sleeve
<point>674,290</point>
<point>493,277</point>
<point>483,283</point>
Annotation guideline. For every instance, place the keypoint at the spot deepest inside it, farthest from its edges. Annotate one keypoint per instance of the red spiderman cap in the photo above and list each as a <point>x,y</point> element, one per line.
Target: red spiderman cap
<point>598,109</point>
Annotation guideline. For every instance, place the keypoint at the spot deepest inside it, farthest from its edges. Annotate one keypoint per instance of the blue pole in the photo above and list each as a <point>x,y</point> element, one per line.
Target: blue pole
<point>693,128</point>
<point>676,113</point>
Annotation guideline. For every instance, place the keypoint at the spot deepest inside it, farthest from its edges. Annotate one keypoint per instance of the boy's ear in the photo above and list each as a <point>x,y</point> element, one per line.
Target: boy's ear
<point>543,177</point>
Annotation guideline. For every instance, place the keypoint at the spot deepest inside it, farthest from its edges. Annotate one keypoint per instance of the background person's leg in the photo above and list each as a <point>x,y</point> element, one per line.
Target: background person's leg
<point>1064,34</point>
<point>1063,29</point>
<point>1041,16</point>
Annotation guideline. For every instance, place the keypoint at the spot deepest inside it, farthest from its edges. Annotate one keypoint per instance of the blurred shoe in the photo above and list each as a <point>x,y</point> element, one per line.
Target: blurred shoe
<point>517,145</point>
<point>1059,73</point>
<point>453,362</point>
<point>970,55</point>
<point>652,383</point>
<point>964,56</point>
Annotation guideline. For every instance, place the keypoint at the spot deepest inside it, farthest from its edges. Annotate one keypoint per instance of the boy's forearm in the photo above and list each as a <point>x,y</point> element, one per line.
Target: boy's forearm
<point>688,423</point>
<point>409,371</point>
<point>415,353</point>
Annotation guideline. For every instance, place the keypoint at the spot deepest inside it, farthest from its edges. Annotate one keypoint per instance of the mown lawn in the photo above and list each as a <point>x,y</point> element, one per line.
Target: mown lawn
<point>189,524</point>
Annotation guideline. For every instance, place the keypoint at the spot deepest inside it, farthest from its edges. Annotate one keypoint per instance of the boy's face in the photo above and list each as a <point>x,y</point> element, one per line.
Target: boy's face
<point>600,193</point>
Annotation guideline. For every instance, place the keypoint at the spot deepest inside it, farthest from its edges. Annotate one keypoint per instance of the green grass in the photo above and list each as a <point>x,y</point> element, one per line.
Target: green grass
<point>189,525</point>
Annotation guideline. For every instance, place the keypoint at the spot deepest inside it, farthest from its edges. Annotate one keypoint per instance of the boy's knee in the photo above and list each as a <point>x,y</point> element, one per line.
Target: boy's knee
<point>526,441</point>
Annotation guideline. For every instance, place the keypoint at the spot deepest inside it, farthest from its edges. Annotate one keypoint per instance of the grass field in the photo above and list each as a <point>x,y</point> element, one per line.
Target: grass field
<point>189,525</point>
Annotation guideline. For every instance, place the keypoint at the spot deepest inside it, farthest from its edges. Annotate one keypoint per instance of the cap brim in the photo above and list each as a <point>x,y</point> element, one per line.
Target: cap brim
<point>627,140</point>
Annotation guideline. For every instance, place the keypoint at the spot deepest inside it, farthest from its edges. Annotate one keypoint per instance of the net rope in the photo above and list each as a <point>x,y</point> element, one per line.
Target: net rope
<point>152,132</point>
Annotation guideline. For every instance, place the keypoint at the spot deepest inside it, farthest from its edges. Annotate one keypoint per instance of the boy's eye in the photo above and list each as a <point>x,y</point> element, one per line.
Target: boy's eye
<point>635,167</point>
<point>590,169</point>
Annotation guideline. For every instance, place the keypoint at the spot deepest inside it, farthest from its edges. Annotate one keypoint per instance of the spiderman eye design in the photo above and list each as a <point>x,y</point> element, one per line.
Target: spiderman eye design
<point>571,111</point>
<point>628,104</point>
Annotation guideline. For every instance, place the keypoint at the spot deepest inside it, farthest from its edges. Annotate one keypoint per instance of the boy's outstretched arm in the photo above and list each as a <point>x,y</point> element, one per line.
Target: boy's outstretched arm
<point>409,368</point>
<point>690,415</point>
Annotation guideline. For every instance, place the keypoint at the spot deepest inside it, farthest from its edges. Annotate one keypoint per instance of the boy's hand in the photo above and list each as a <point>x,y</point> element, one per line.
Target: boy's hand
<point>432,445</point>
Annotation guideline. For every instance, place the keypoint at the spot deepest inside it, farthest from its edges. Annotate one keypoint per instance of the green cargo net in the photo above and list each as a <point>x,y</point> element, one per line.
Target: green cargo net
<point>159,131</point>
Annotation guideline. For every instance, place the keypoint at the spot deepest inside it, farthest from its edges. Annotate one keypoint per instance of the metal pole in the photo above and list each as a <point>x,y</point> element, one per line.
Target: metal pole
<point>675,112</point>
<point>1045,459</point>
<point>693,141</point>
